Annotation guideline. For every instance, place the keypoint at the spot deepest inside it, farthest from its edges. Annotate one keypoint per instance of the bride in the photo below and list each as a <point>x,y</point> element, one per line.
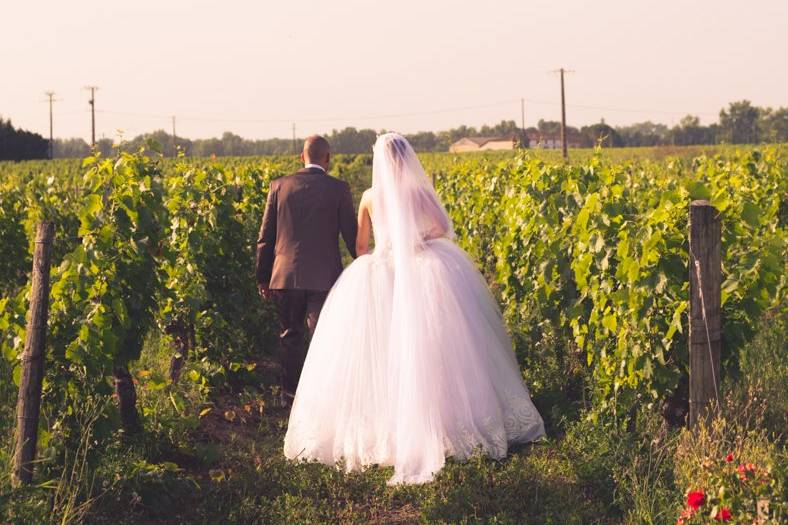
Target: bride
<point>410,361</point>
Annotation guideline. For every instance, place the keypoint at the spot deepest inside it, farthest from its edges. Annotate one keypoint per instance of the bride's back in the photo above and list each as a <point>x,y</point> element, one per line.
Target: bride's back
<point>404,208</point>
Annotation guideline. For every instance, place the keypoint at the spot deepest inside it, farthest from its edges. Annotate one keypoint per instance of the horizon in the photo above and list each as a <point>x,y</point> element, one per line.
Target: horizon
<point>241,69</point>
<point>478,128</point>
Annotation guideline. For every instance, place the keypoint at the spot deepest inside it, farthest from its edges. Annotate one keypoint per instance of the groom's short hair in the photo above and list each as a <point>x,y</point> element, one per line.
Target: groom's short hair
<point>316,148</point>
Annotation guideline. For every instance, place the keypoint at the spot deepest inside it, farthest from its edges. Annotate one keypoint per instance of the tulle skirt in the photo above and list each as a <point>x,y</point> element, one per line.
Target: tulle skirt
<point>406,377</point>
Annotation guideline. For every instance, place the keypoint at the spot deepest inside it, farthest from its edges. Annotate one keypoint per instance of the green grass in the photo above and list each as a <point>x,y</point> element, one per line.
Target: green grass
<point>226,466</point>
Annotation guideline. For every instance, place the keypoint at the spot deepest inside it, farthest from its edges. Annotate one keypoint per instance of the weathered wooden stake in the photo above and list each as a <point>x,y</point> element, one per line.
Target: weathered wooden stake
<point>177,360</point>
<point>127,400</point>
<point>29,400</point>
<point>434,180</point>
<point>705,341</point>
<point>183,340</point>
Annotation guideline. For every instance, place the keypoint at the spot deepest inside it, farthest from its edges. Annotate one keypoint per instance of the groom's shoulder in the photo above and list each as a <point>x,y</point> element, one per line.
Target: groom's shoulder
<point>330,181</point>
<point>325,181</point>
<point>275,183</point>
<point>337,181</point>
<point>284,179</point>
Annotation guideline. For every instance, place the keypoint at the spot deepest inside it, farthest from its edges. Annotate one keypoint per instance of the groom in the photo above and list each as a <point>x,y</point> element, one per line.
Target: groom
<point>298,256</point>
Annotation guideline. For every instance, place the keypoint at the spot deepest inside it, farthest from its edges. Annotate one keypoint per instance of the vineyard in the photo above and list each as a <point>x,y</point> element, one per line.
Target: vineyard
<point>159,397</point>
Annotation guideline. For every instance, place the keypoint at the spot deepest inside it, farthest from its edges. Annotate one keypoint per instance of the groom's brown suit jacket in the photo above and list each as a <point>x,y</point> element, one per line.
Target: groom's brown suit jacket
<point>298,246</point>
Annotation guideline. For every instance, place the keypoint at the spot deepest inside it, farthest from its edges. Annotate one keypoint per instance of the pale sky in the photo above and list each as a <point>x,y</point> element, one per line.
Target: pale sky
<point>255,67</point>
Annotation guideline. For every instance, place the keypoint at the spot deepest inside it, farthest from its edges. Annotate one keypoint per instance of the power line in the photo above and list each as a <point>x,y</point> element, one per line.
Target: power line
<point>320,119</point>
<point>609,108</point>
<point>199,118</point>
<point>420,113</point>
<point>135,115</point>
<point>75,112</point>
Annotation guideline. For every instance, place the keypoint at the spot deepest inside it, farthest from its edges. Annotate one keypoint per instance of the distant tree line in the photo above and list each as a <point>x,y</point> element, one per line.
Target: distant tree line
<point>17,144</point>
<point>348,140</point>
<point>739,123</point>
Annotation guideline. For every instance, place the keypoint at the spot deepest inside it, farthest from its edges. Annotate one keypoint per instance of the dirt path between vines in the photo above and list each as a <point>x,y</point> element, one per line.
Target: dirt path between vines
<point>240,431</point>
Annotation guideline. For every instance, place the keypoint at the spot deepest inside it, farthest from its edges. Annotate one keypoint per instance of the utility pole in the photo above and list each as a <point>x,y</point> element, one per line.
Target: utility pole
<point>522,113</point>
<point>92,103</point>
<point>523,142</point>
<point>563,117</point>
<point>174,143</point>
<point>50,95</point>
<point>295,148</point>
<point>563,112</point>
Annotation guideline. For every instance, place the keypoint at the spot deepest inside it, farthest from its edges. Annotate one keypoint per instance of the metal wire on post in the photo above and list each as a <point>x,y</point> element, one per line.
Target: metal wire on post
<point>706,324</point>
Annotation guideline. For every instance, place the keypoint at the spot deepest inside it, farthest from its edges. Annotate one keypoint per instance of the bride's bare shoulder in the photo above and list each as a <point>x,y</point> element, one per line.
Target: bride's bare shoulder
<point>366,199</point>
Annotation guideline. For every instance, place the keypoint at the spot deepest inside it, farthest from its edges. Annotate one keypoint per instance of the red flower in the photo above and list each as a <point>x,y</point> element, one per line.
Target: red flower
<point>724,514</point>
<point>729,458</point>
<point>745,470</point>
<point>696,499</point>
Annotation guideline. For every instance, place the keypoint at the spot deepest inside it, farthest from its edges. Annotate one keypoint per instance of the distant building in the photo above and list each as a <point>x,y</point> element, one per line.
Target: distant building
<point>538,139</point>
<point>484,144</point>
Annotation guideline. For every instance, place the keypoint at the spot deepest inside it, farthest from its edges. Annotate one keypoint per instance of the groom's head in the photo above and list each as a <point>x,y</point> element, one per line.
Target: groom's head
<point>316,151</point>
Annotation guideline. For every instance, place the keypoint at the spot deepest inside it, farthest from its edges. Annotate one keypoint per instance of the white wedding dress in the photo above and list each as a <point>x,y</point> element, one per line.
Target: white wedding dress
<point>410,361</point>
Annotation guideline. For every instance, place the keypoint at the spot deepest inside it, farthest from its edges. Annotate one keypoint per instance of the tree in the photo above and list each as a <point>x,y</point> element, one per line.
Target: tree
<point>739,125</point>
<point>105,147</point>
<point>774,125</point>
<point>690,131</point>
<point>502,129</point>
<point>351,140</point>
<point>644,134</point>
<point>449,137</point>
<point>234,145</point>
<point>424,141</point>
<point>70,148</point>
<point>602,134</point>
<point>549,126</point>
<point>17,144</point>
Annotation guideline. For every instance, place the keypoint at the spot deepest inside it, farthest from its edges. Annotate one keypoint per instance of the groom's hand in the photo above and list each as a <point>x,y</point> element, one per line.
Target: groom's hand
<point>264,290</point>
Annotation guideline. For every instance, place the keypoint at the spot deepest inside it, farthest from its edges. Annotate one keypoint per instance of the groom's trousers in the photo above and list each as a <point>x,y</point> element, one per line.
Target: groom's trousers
<point>296,308</point>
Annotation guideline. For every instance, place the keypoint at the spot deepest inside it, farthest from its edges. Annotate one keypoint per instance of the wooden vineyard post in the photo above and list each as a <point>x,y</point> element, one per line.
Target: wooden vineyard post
<point>29,400</point>
<point>705,341</point>
<point>127,400</point>
<point>434,181</point>
<point>183,340</point>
